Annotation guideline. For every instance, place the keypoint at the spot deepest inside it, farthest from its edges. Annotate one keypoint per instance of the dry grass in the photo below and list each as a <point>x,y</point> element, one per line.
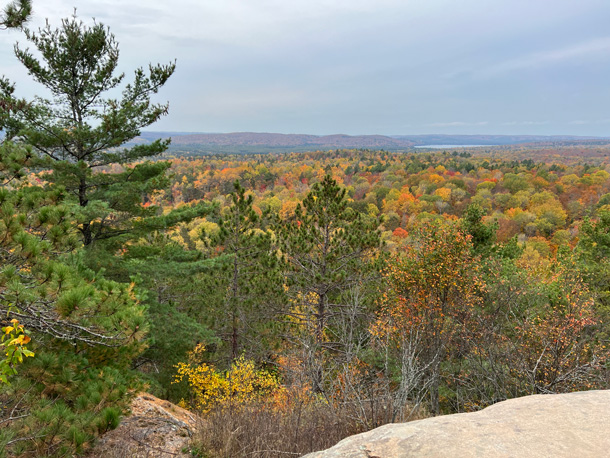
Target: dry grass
<point>257,431</point>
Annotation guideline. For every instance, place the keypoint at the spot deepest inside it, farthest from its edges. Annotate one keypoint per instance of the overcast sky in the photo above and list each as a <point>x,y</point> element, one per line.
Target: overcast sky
<point>361,66</point>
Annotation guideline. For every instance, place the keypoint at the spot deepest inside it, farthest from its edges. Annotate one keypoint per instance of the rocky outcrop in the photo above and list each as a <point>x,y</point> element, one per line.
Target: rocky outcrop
<point>561,425</point>
<point>154,429</point>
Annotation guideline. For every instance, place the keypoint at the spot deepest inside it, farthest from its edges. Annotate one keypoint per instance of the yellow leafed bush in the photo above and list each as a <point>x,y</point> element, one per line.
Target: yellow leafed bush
<point>239,385</point>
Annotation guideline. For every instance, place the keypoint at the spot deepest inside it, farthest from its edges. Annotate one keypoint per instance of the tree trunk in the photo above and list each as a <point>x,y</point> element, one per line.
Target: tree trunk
<point>434,390</point>
<point>83,201</point>
<point>316,355</point>
<point>234,324</point>
<point>234,339</point>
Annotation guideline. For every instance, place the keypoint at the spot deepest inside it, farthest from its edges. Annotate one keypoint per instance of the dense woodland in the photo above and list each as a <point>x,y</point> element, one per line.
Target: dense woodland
<point>303,295</point>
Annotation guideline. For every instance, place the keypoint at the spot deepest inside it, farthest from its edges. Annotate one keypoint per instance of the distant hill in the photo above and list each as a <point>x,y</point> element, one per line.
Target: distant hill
<point>442,139</point>
<point>266,142</point>
<point>278,140</point>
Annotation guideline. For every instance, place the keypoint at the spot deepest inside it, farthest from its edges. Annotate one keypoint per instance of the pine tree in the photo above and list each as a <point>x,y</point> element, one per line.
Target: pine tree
<point>169,273</point>
<point>15,14</point>
<point>250,284</point>
<point>482,235</point>
<point>81,131</point>
<point>83,329</point>
<point>329,248</point>
<point>39,286</point>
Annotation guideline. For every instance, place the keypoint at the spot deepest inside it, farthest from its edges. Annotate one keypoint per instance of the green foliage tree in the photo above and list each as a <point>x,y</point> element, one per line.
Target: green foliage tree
<point>329,248</point>
<point>45,292</point>
<point>84,329</point>
<point>60,402</point>
<point>246,292</point>
<point>482,235</point>
<point>170,275</point>
<point>81,132</point>
<point>593,253</point>
<point>253,277</point>
<point>15,14</point>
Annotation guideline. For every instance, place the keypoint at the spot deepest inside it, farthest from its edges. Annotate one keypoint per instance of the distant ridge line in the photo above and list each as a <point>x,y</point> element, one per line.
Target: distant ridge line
<point>275,140</point>
<point>279,140</point>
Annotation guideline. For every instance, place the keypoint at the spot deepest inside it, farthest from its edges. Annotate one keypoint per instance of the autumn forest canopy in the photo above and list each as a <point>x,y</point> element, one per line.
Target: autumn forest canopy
<point>322,293</point>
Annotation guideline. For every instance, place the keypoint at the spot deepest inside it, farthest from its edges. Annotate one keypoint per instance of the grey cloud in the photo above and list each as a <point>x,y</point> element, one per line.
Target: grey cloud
<point>363,66</point>
<point>457,124</point>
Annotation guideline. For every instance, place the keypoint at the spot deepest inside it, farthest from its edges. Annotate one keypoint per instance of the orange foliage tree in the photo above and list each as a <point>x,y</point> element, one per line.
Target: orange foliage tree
<point>424,316</point>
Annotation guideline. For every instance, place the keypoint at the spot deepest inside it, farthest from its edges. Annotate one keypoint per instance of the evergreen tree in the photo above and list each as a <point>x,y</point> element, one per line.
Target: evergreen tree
<point>81,132</point>
<point>483,235</point>
<point>41,287</point>
<point>83,329</point>
<point>169,274</point>
<point>15,14</point>
<point>329,248</point>
<point>249,285</point>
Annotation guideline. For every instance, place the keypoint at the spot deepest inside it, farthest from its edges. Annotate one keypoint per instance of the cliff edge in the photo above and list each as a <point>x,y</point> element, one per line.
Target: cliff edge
<point>560,425</point>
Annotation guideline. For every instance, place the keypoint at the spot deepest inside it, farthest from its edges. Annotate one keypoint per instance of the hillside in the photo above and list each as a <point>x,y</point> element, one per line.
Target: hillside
<point>279,140</point>
<point>260,295</point>
<point>491,140</point>
<point>257,142</point>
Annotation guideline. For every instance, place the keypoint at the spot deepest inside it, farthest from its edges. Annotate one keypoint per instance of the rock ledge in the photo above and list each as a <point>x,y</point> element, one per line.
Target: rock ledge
<point>561,425</point>
<point>154,429</point>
